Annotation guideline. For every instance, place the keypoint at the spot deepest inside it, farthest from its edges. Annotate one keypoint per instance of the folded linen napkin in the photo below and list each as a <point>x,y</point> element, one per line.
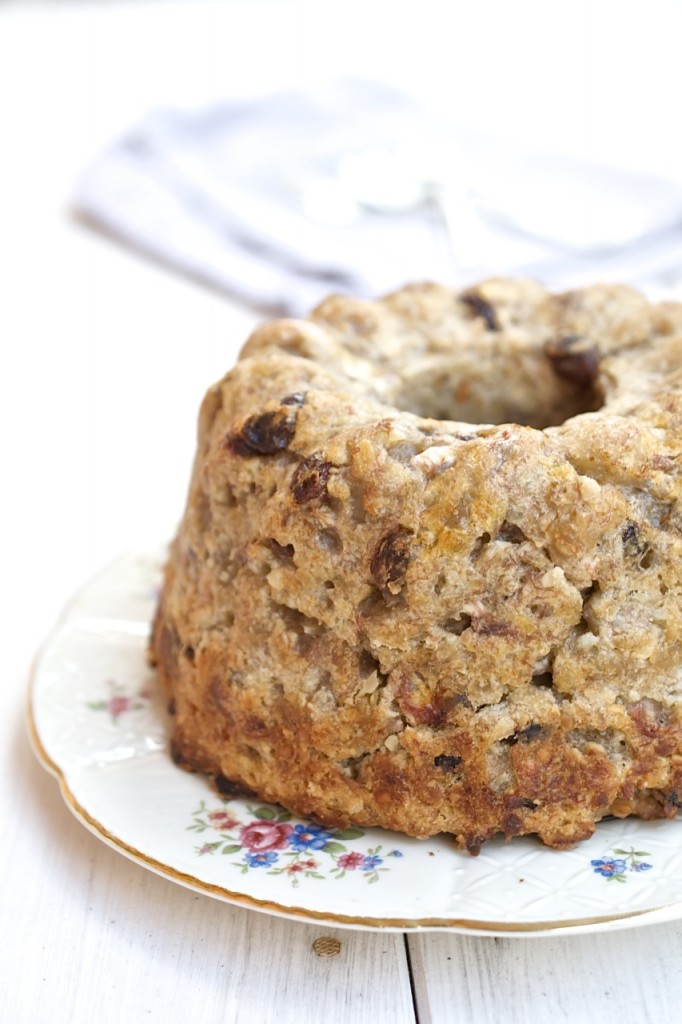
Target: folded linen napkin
<point>356,188</point>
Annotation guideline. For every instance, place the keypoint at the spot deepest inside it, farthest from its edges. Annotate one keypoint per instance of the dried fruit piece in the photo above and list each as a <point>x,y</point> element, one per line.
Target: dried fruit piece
<point>531,732</point>
<point>481,307</point>
<point>266,434</point>
<point>511,533</point>
<point>310,479</point>
<point>632,541</point>
<point>447,761</point>
<point>390,560</point>
<point>574,358</point>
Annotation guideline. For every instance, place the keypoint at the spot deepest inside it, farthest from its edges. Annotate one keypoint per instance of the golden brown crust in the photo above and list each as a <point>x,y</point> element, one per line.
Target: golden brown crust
<point>373,614</point>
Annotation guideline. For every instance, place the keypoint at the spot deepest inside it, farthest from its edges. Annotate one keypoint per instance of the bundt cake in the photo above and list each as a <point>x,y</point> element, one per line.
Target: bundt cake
<point>429,575</point>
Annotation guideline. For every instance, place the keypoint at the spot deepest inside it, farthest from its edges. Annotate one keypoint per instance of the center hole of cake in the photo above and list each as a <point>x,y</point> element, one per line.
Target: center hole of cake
<point>537,387</point>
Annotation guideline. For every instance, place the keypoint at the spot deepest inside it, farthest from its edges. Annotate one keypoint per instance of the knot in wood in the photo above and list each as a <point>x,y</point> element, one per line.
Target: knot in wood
<point>326,946</point>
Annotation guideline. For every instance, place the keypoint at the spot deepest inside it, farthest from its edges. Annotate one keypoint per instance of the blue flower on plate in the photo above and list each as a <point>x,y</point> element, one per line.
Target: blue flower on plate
<point>371,862</point>
<point>640,865</point>
<point>264,859</point>
<point>309,837</point>
<point>609,866</point>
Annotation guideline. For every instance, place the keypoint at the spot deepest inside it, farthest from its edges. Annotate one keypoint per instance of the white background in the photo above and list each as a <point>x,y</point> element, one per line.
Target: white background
<point>105,358</point>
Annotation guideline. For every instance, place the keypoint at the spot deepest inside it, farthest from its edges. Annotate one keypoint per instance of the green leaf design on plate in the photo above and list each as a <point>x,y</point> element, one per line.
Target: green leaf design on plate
<point>265,813</point>
<point>348,833</point>
<point>333,847</point>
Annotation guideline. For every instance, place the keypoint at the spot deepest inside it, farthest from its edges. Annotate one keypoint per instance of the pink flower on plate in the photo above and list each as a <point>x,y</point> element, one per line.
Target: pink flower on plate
<point>117,704</point>
<point>222,820</point>
<point>266,835</point>
<point>301,865</point>
<point>350,861</point>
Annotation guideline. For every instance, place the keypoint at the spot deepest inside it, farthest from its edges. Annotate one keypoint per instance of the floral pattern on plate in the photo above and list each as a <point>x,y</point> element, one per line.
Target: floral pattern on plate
<point>302,850</point>
<point>615,868</point>
<point>119,702</point>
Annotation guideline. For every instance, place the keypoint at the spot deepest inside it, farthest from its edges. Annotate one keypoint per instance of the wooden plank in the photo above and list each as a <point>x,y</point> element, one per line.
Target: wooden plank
<point>618,978</point>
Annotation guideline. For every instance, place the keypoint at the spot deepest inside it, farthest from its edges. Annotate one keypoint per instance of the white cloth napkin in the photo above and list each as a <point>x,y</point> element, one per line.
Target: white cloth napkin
<point>355,188</point>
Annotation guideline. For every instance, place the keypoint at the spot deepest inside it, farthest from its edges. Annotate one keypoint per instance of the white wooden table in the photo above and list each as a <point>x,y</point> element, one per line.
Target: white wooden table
<point>105,358</point>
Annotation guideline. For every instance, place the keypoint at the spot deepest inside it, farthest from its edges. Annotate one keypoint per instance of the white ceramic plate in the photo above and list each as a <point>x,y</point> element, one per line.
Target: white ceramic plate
<point>99,724</point>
